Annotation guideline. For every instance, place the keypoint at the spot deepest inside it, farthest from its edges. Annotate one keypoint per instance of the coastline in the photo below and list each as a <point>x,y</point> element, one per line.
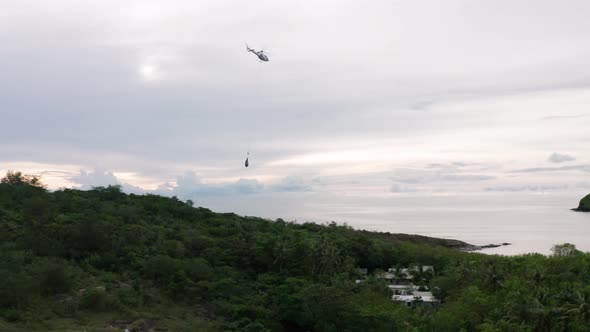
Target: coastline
<point>435,241</point>
<point>471,247</point>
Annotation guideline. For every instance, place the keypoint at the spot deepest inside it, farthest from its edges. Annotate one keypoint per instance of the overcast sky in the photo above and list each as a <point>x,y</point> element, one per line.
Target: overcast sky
<point>359,97</point>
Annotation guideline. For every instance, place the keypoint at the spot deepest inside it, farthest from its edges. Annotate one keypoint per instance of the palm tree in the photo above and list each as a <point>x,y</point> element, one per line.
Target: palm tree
<point>542,318</point>
<point>581,306</point>
<point>465,269</point>
<point>493,278</point>
<point>538,279</point>
<point>565,296</point>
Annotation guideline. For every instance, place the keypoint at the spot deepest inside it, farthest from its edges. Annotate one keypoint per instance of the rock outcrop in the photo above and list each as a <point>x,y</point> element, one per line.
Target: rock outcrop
<point>584,204</point>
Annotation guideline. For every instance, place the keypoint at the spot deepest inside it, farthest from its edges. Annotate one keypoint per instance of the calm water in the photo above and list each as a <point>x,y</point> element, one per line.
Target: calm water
<point>531,222</point>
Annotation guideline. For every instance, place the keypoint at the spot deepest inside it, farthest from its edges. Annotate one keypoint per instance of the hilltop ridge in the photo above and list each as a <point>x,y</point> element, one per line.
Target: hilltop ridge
<point>103,260</point>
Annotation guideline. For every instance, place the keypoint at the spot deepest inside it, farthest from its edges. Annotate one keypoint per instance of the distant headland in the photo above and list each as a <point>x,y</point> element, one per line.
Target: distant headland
<point>584,204</point>
<point>447,243</point>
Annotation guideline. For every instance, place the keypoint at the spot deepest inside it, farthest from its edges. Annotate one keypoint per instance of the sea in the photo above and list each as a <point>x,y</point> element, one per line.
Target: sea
<point>530,222</point>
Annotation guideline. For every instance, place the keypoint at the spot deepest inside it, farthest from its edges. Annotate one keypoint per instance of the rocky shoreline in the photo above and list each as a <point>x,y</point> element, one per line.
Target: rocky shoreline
<point>471,247</point>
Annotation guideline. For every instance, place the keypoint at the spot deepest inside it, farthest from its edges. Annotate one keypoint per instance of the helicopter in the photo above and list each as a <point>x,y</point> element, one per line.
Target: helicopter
<point>263,57</point>
<point>260,54</point>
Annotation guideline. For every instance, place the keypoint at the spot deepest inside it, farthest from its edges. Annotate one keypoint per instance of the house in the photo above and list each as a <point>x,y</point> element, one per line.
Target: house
<point>414,299</point>
<point>405,276</point>
<point>402,289</point>
<point>401,281</point>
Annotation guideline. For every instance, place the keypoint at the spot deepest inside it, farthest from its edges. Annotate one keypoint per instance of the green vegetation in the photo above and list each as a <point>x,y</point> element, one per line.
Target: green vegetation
<point>91,260</point>
<point>584,204</point>
<point>20,179</point>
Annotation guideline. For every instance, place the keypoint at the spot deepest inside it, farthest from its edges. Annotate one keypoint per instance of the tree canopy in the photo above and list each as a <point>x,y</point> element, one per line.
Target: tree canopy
<point>74,259</point>
<point>19,179</point>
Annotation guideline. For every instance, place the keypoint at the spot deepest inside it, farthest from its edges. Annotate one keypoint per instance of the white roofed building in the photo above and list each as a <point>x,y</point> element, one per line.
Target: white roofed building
<point>401,281</point>
<point>414,298</point>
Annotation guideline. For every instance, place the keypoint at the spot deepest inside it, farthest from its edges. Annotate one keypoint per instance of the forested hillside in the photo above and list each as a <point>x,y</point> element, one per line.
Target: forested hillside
<point>101,260</point>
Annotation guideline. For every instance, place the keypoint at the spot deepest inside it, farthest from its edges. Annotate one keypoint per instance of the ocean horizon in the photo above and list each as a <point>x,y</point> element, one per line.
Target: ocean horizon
<point>531,223</point>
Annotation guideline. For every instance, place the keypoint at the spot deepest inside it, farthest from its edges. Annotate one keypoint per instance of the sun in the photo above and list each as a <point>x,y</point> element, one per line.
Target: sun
<point>149,72</point>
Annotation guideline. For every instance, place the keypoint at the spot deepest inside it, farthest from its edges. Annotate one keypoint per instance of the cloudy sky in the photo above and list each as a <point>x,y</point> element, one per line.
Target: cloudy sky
<point>359,97</point>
